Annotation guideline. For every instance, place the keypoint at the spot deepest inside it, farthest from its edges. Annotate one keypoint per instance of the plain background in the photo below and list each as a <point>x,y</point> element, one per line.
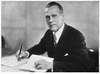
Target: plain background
<point>24,22</point>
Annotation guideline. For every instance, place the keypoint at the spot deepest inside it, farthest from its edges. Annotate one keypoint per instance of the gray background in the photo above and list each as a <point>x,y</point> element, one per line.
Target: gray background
<point>25,22</point>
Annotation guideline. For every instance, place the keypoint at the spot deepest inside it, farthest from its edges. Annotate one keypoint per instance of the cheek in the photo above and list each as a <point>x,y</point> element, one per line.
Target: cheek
<point>47,22</point>
<point>58,21</point>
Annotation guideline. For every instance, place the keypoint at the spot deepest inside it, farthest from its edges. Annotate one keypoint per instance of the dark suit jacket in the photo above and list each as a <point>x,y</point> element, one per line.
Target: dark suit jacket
<point>71,43</point>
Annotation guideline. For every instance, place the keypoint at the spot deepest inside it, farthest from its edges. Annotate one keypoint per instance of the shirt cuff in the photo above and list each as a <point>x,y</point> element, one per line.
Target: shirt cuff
<point>27,54</point>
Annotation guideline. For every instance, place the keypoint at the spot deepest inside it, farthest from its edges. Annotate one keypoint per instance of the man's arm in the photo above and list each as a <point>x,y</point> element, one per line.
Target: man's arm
<point>39,48</point>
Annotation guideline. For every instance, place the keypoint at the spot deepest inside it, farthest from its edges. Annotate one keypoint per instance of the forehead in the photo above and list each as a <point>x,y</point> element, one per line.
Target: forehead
<point>52,10</point>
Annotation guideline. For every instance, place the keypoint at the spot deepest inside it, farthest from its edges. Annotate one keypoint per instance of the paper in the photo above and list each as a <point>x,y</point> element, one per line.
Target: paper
<point>11,61</point>
<point>30,64</point>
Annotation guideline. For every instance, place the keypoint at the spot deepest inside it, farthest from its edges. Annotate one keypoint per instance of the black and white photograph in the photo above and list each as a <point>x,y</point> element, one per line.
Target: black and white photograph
<point>50,36</point>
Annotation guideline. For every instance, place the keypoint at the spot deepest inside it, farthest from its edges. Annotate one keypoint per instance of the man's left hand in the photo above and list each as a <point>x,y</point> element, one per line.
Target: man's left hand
<point>43,64</point>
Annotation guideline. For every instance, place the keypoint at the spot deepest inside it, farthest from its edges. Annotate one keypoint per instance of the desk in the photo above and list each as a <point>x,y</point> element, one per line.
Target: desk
<point>11,64</point>
<point>14,69</point>
<point>9,69</point>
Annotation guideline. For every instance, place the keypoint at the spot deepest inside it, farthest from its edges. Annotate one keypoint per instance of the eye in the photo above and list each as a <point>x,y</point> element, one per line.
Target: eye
<point>47,17</point>
<point>54,15</point>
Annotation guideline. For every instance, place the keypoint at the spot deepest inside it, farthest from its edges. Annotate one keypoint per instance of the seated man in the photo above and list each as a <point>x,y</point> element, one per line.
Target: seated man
<point>62,42</point>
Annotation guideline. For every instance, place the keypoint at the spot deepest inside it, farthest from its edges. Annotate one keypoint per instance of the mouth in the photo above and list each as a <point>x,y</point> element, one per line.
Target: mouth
<point>52,24</point>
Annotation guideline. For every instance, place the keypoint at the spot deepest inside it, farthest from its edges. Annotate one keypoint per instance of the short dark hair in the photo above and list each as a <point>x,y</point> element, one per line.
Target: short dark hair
<point>55,4</point>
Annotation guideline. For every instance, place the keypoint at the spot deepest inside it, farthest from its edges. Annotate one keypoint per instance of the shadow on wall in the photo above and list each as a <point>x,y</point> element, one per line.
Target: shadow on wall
<point>6,49</point>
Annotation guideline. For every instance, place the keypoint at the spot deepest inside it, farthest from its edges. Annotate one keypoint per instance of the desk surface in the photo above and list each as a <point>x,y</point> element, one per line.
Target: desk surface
<point>10,63</point>
<point>9,69</point>
<point>16,68</point>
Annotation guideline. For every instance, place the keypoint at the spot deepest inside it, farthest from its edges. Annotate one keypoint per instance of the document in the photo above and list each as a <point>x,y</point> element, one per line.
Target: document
<point>11,61</point>
<point>29,66</point>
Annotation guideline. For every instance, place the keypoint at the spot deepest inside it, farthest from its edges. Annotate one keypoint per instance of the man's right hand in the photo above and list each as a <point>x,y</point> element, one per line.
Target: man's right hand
<point>22,55</point>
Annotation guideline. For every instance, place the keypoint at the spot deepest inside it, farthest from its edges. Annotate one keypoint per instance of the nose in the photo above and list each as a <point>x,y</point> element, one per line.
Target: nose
<point>51,19</point>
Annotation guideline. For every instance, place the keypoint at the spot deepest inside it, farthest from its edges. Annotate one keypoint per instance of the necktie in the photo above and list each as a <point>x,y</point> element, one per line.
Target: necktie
<point>55,39</point>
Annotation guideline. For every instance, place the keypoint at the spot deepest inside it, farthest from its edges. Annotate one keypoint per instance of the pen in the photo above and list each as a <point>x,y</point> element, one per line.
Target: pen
<point>20,52</point>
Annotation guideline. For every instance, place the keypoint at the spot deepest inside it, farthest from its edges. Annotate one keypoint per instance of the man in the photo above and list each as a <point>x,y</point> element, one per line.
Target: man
<point>62,42</point>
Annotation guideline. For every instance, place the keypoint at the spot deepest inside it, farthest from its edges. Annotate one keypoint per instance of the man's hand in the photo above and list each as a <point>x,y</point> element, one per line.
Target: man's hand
<point>22,55</point>
<point>43,64</point>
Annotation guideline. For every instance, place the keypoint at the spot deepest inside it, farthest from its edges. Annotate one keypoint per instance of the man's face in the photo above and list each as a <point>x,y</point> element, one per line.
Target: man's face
<point>54,18</point>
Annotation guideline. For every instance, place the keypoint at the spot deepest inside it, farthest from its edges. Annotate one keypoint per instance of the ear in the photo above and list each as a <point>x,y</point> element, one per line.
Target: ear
<point>62,16</point>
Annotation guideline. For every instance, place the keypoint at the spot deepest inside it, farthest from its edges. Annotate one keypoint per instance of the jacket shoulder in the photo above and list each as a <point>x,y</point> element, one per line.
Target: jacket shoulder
<point>74,33</point>
<point>47,33</point>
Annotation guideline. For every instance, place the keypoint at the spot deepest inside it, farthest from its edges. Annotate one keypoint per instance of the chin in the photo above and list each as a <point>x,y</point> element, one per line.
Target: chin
<point>53,30</point>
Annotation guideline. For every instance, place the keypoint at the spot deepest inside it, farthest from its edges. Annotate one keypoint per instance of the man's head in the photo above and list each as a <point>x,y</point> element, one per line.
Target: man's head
<point>54,16</point>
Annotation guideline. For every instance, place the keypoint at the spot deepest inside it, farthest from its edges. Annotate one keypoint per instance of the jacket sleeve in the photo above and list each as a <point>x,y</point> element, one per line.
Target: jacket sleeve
<point>77,60</point>
<point>39,48</point>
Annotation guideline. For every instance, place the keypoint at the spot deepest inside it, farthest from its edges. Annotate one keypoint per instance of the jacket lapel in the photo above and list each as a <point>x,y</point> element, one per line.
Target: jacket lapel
<point>63,38</point>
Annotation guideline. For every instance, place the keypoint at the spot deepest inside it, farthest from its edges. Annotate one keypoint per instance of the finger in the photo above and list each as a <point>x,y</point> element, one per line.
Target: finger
<point>40,67</point>
<point>17,53</point>
<point>38,62</point>
<point>21,56</point>
<point>19,59</point>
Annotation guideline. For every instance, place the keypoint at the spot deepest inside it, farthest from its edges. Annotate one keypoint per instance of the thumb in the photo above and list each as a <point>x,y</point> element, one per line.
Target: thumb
<point>17,53</point>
